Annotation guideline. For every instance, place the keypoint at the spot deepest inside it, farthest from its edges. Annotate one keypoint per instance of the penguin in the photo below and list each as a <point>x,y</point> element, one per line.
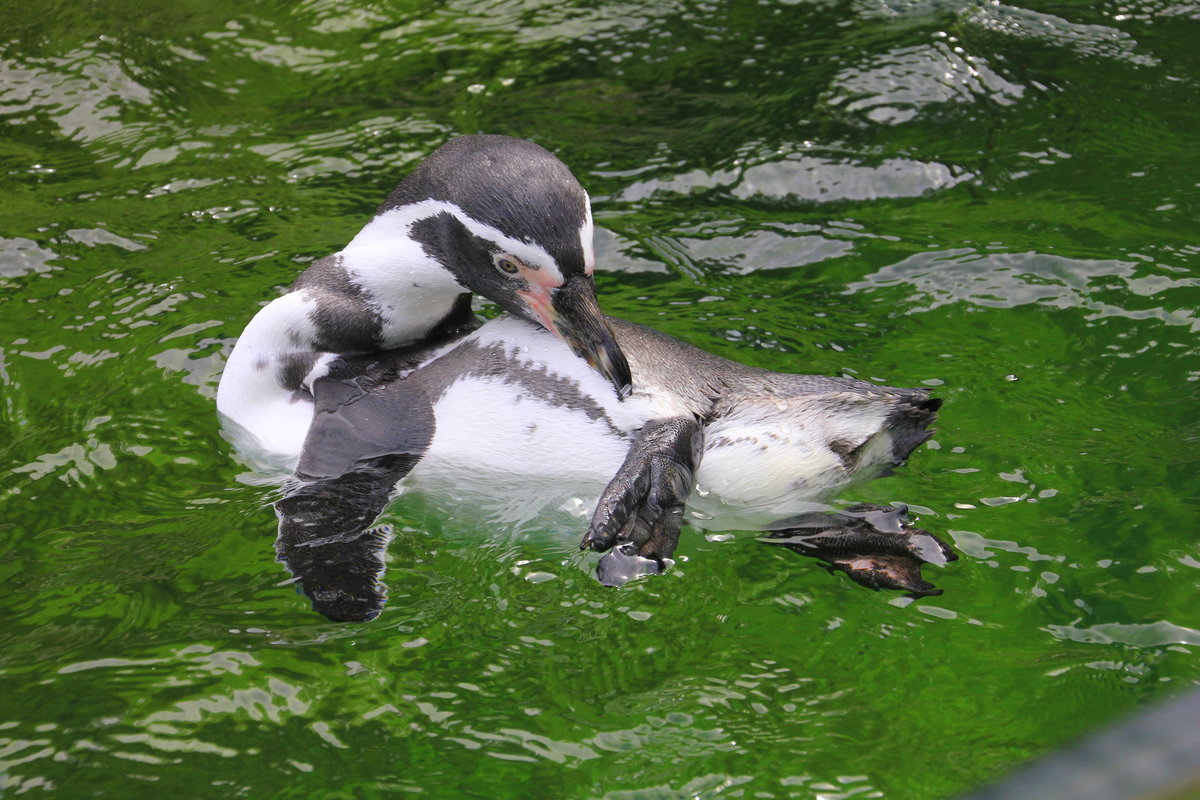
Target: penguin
<point>509,408</point>
<point>372,374</point>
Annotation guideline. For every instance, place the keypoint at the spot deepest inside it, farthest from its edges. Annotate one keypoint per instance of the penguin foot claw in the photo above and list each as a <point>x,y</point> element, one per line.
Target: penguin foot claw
<point>874,545</point>
<point>641,510</point>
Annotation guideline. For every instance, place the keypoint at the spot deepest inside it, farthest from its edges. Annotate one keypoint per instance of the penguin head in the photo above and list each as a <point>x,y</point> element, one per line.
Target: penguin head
<point>511,223</point>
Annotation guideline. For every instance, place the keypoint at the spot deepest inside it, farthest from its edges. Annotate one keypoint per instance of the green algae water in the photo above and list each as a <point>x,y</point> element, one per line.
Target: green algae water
<point>997,201</point>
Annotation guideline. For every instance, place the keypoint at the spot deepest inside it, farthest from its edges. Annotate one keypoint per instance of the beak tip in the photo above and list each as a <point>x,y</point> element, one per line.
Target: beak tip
<point>577,320</point>
<point>616,369</point>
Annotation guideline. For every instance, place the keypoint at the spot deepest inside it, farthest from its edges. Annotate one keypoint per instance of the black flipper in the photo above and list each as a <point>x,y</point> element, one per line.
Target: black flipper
<point>874,545</point>
<point>357,449</point>
<point>641,509</point>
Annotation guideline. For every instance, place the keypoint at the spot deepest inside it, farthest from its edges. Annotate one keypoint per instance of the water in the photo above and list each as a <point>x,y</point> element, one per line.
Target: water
<point>998,201</point>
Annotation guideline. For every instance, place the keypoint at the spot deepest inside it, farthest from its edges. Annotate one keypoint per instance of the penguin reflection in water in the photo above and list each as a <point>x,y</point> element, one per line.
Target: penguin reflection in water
<point>372,374</point>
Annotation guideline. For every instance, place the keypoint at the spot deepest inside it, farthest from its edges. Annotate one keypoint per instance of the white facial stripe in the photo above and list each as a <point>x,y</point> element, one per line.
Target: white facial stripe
<point>398,222</point>
<point>586,233</point>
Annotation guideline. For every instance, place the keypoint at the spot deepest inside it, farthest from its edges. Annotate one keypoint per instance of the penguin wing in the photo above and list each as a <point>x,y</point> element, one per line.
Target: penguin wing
<point>364,438</point>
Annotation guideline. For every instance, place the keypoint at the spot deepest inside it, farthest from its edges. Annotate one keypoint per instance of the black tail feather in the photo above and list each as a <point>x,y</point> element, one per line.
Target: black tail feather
<point>909,424</point>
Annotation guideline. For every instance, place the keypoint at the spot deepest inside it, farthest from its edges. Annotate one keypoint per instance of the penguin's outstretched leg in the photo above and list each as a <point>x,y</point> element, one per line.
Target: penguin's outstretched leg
<point>874,545</point>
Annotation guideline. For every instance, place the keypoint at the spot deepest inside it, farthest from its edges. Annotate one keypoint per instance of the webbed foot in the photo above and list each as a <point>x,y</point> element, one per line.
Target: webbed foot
<point>641,510</point>
<point>874,545</point>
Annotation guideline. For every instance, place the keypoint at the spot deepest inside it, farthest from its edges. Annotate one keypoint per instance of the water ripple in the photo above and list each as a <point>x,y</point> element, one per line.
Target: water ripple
<point>1102,41</point>
<point>1152,634</point>
<point>1010,280</point>
<point>894,87</point>
<point>800,177</point>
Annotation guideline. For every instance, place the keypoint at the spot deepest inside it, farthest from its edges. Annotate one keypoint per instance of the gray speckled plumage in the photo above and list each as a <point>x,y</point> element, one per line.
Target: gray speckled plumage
<point>345,318</point>
<point>713,387</point>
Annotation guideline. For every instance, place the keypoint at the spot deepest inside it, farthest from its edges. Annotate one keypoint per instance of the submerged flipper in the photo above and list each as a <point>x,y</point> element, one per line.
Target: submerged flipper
<point>641,509</point>
<point>357,449</point>
<point>874,545</point>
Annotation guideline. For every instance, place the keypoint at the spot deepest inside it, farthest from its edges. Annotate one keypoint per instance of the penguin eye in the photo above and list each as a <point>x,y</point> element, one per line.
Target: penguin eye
<point>508,264</point>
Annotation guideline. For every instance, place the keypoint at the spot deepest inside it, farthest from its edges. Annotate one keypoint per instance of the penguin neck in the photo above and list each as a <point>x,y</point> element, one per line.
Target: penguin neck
<point>386,272</point>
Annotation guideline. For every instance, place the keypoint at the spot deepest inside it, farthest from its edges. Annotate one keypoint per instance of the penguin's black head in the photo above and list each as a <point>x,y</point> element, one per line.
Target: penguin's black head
<point>512,224</point>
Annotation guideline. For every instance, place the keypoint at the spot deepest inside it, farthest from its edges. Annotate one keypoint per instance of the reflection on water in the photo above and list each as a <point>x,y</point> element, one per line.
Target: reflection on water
<point>996,197</point>
<point>1007,280</point>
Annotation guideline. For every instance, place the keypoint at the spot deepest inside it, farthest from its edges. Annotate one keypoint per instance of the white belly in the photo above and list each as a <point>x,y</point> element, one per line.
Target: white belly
<point>513,457</point>
<point>518,448</point>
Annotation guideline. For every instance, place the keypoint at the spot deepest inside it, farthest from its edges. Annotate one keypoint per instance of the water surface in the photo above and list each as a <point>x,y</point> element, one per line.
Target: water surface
<point>994,200</point>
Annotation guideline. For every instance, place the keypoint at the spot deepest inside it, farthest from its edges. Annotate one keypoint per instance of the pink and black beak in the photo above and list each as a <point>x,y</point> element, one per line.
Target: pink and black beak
<point>573,315</point>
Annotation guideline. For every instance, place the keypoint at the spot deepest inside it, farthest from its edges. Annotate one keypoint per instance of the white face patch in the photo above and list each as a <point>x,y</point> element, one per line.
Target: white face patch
<point>409,288</point>
<point>397,223</point>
